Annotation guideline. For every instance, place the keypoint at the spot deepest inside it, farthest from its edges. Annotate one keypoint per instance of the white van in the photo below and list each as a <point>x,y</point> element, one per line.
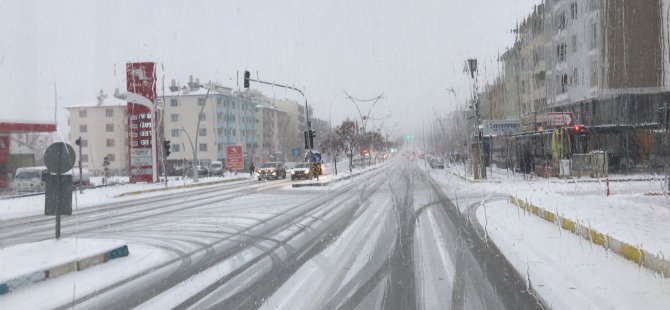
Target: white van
<point>30,179</point>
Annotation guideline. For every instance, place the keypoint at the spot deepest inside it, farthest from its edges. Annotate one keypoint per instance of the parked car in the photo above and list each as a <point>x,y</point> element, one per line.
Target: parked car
<point>437,163</point>
<point>85,176</point>
<point>30,179</point>
<point>300,171</point>
<point>202,171</point>
<point>271,170</point>
<point>217,168</point>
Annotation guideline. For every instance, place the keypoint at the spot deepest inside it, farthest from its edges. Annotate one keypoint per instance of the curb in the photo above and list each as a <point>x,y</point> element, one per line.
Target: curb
<point>465,179</point>
<point>630,252</point>
<point>332,181</point>
<point>178,187</point>
<point>57,271</point>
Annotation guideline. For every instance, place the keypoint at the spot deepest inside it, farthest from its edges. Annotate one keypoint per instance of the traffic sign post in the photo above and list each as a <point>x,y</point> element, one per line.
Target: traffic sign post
<point>59,158</point>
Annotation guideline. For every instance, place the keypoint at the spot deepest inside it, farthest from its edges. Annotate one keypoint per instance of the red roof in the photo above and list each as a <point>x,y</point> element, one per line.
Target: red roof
<point>6,127</point>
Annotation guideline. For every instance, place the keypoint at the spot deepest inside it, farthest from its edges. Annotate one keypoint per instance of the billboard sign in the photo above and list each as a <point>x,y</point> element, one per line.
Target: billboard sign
<point>142,150</point>
<point>234,157</point>
<point>558,119</point>
<point>500,128</point>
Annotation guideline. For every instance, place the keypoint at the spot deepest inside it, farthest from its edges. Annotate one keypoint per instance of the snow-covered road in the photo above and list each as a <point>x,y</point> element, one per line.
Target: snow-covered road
<point>386,239</point>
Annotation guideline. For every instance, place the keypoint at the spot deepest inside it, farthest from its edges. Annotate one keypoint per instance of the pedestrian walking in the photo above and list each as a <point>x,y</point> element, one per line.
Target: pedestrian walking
<point>251,169</point>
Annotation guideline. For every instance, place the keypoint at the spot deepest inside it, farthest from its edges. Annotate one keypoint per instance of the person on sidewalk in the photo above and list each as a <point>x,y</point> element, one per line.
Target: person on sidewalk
<point>251,169</point>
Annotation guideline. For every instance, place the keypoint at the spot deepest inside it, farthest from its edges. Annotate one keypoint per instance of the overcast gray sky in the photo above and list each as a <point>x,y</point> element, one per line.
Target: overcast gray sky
<point>409,50</point>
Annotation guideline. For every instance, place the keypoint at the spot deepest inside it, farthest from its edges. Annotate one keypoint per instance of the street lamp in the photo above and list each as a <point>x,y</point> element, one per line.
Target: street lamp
<point>197,134</point>
<point>472,69</point>
<point>190,142</point>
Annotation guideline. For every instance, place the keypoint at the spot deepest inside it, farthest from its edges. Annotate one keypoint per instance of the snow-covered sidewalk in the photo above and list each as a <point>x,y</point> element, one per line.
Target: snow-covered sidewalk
<point>632,213</point>
<point>25,264</point>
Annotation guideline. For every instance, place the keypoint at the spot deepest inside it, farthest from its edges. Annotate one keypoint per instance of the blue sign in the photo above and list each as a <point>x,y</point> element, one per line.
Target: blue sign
<point>317,157</point>
<point>296,151</point>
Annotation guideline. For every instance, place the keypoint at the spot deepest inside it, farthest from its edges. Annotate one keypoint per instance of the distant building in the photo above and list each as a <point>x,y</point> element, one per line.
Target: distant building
<point>102,126</point>
<point>263,126</point>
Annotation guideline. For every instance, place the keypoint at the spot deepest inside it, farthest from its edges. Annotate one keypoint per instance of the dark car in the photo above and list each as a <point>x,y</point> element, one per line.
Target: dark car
<point>437,163</point>
<point>271,170</point>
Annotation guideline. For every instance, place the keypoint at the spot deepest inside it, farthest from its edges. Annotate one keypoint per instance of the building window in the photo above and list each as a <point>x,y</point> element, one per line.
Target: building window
<point>594,73</point>
<point>573,10</point>
<point>203,116</point>
<point>84,143</point>
<point>560,53</point>
<point>83,113</point>
<point>175,133</point>
<point>201,101</point>
<point>233,105</point>
<point>175,148</point>
<point>575,77</point>
<point>219,102</point>
<point>562,81</point>
<point>109,127</point>
<point>574,43</point>
<point>109,112</point>
<point>174,117</point>
<point>111,157</point>
<point>560,21</point>
<point>593,37</point>
<point>203,147</point>
<point>234,132</point>
<point>83,128</point>
<point>174,103</point>
<point>110,142</point>
<point>202,132</point>
<point>84,158</point>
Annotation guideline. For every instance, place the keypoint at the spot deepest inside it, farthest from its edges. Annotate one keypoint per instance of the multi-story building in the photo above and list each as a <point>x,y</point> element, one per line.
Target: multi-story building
<point>607,69</point>
<point>602,64</point>
<point>266,128</point>
<point>102,126</point>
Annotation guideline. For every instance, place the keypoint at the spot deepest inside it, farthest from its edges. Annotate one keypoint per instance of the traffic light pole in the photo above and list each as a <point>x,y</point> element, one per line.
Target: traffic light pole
<point>309,134</point>
<point>81,183</point>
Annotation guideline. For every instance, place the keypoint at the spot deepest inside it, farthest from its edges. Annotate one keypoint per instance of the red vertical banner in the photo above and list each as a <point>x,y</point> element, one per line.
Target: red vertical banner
<point>234,158</point>
<point>4,159</point>
<point>142,150</point>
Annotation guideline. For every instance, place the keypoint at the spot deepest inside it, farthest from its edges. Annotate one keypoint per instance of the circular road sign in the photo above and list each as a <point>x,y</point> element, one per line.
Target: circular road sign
<point>59,157</point>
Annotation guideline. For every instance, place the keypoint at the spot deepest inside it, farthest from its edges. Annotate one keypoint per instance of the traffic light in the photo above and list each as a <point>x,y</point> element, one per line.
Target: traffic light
<point>312,134</point>
<point>78,141</point>
<point>246,79</point>
<point>166,147</point>
<point>306,140</point>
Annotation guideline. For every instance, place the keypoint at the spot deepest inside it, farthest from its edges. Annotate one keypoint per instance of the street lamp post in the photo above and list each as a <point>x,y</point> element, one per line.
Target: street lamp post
<point>472,68</point>
<point>365,118</point>
<point>197,134</point>
<point>190,142</point>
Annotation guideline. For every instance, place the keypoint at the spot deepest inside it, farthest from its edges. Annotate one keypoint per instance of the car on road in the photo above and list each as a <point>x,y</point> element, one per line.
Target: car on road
<point>271,170</point>
<point>437,163</point>
<point>85,176</point>
<point>300,171</point>
<point>217,168</point>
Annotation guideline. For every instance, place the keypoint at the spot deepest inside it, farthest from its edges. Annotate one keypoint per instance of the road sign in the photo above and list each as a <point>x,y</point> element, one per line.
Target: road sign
<point>59,157</point>
<point>296,151</point>
<point>234,158</point>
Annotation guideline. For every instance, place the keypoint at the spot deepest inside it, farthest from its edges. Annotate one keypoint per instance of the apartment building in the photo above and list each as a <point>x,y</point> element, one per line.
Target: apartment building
<point>227,117</point>
<point>102,126</point>
<point>604,64</point>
